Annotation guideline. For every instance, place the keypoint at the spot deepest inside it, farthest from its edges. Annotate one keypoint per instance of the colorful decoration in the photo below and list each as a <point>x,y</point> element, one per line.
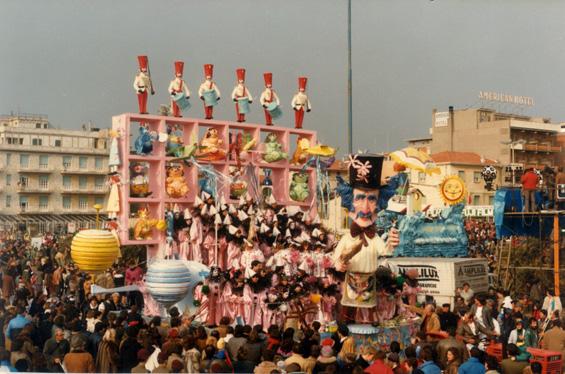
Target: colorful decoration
<point>142,83</point>
<point>452,190</point>
<point>238,187</point>
<point>414,159</point>
<point>270,101</point>
<point>175,146</point>
<point>145,224</point>
<point>209,92</point>
<point>300,154</point>
<point>267,185</point>
<point>139,179</point>
<point>113,204</point>
<point>321,150</point>
<point>114,160</point>
<point>489,175</point>
<point>241,96</point>
<point>444,236</point>
<point>168,281</point>
<point>175,184</point>
<point>299,190</point>
<point>273,149</point>
<point>178,89</point>
<point>94,250</point>
<point>300,103</point>
<point>211,147</point>
<point>144,142</point>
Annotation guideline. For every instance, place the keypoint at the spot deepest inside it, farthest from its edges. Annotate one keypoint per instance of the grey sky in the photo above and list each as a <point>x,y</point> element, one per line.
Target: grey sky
<point>75,59</point>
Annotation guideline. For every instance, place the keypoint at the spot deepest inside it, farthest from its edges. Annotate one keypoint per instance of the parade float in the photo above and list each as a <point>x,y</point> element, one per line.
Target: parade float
<point>230,215</point>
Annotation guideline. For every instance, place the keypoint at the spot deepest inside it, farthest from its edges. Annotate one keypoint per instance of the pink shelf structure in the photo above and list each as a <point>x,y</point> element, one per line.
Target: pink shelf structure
<point>193,130</point>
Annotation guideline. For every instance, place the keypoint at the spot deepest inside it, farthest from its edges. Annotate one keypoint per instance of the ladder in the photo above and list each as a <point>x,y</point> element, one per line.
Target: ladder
<point>503,263</point>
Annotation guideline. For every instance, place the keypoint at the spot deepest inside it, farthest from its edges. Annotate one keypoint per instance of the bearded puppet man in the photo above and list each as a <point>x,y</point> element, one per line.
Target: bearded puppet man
<point>357,253</point>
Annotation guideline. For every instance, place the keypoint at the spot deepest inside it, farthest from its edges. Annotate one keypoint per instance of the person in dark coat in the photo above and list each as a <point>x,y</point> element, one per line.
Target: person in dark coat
<point>129,349</point>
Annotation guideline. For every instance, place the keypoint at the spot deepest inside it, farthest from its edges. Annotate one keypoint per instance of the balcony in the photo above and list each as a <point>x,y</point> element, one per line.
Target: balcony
<point>541,148</point>
<point>94,190</point>
<point>34,209</point>
<point>84,171</point>
<point>40,169</point>
<point>33,189</point>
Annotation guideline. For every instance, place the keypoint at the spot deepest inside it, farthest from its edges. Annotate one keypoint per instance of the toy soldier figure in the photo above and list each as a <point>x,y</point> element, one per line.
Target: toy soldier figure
<point>208,91</point>
<point>268,97</point>
<point>357,252</point>
<point>178,86</point>
<point>142,84</point>
<point>300,103</point>
<point>241,96</point>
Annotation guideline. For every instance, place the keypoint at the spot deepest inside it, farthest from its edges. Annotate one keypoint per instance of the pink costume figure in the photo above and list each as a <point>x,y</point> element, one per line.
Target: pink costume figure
<point>134,275</point>
<point>195,234</point>
<point>250,254</point>
<point>208,248</point>
<point>295,257</point>
<point>234,248</point>
<point>215,299</point>
<point>240,93</point>
<point>328,307</point>
<point>184,246</point>
<point>254,301</point>
<point>267,97</point>
<point>280,259</point>
<point>222,252</point>
<point>209,92</point>
<point>113,204</point>
<point>300,103</point>
<point>142,84</point>
<point>202,298</point>
<point>232,295</point>
<point>150,306</point>
<point>272,313</point>
<point>177,86</point>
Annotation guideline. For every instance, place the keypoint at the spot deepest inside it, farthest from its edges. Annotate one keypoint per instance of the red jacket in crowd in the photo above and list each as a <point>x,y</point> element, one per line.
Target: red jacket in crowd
<point>529,180</point>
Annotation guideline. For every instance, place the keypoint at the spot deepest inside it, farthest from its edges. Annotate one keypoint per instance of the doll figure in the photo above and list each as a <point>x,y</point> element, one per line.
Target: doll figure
<point>139,180</point>
<point>175,183</point>
<point>113,204</point>
<point>241,96</point>
<point>184,246</point>
<point>209,92</point>
<point>273,149</point>
<point>300,156</point>
<point>215,299</point>
<point>144,142</point>
<point>300,103</point>
<point>114,160</point>
<point>211,146</point>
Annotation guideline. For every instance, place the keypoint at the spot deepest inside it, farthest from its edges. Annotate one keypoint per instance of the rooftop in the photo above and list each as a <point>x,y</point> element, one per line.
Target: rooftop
<point>467,158</point>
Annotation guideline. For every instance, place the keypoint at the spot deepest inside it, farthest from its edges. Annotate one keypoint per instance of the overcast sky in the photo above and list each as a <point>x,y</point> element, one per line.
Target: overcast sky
<point>75,60</point>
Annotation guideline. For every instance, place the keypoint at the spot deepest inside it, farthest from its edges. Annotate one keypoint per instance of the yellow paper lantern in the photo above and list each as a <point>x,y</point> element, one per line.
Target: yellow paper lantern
<point>94,250</point>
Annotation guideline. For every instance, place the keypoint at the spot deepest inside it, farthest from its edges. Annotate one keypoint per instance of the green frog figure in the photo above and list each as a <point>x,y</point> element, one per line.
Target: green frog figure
<point>273,149</point>
<point>299,187</point>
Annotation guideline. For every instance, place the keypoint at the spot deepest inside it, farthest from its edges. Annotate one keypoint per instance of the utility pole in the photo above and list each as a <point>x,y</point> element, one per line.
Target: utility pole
<point>349,83</point>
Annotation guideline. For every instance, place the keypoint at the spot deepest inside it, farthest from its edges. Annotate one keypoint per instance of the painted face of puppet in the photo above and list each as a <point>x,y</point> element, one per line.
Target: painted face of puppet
<point>365,206</point>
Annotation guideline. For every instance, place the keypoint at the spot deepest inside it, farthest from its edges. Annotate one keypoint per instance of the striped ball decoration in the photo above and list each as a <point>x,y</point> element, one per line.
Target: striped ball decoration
<point>94,250</point>
<point>168,281</point>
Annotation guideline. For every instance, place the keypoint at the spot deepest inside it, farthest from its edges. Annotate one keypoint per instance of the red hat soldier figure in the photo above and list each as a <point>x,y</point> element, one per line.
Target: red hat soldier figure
<point>241,96</point>
<point>269,100</point>
<point>300,103</point>
<point>208,91</point>
<point>142,84</point>
<point>178,89</point>
<point>358,251</point>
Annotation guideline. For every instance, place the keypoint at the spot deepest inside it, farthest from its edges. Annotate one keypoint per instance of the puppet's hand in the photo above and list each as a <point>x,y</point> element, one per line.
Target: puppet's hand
<point>393,239</point>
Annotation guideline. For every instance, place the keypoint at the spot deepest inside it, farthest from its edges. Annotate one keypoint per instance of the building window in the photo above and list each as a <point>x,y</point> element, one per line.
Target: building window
<point>24,160</point>
<point>82,161</point>
<point>82,182</point>
<point>36,141</point>
<point>461,174</point>
<point>57,142</point>
<point>67,181</point>
<point>43,202</point>
<point>476,200</point>
<point>99,200</point>
<point>490,200</point>
<point>421,177</point>
<point>99,183</point>
<point>44,181</point>
<point>38,125</point>
<point>8,158</point>
<point>8,201</point>
<point>43,161</point>
<point>98,163</point>
<point>23,182</point>
<point>66,202</point>
<point>477,177</point>
<point>67,161</point>
<point>23,203</point>
<point>8,179</point>
<point>83,202</point>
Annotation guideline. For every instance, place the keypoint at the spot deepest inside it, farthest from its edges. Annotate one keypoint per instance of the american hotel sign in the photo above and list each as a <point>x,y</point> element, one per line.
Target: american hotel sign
<point>505,98</point>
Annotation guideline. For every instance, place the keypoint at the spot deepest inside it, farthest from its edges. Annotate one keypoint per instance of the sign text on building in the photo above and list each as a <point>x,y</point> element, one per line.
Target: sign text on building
<point>506,98</point>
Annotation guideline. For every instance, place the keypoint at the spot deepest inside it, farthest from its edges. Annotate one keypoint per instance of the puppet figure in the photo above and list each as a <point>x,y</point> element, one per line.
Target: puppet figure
<point>300,103</point>
<point>209,92</point>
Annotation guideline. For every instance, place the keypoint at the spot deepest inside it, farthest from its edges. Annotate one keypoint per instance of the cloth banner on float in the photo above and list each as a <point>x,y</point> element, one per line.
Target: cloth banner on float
<point>95,289</point>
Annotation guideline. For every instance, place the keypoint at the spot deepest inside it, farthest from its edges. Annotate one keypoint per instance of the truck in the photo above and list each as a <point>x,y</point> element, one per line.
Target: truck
<point>440,277</point>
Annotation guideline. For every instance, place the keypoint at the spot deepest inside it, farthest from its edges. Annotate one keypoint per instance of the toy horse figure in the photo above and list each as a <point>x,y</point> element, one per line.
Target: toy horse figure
<point>144,225</point>
<point>144,143</point>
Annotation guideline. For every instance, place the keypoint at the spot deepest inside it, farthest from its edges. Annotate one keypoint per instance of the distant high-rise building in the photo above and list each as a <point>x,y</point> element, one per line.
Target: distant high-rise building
<point>50,177</point>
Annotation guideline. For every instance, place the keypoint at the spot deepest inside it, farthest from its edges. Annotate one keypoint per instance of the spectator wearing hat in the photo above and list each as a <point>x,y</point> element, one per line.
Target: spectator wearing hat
<point>325,360</point>
<point>78,360</point>
<point>142,357</point>
<point>378,366</point>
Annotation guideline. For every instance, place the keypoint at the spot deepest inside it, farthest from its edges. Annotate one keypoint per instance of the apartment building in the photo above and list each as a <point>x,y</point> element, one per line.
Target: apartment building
<point>50,178</point>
